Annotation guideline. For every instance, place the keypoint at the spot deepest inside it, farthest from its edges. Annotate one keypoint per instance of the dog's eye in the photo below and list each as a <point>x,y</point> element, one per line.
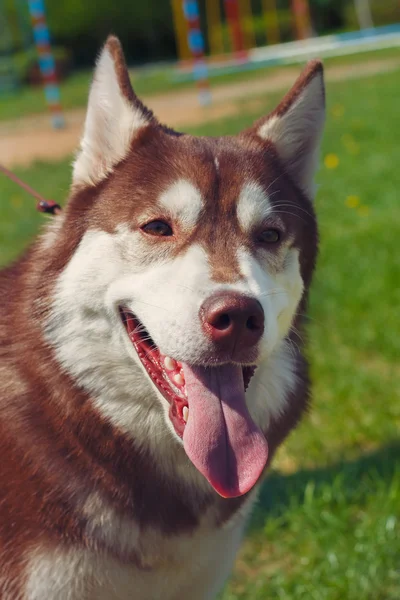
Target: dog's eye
<point>269,236</point>
<point>159,228</point>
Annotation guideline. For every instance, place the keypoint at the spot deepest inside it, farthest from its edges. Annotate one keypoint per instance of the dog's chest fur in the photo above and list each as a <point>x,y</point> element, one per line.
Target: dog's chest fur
<point>173,568</point>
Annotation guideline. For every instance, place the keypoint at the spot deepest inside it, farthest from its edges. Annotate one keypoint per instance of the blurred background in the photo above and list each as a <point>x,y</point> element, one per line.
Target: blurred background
<point>327,524</point>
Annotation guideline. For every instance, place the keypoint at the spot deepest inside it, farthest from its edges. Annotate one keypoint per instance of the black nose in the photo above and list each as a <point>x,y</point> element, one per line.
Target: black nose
<point>232,321</point>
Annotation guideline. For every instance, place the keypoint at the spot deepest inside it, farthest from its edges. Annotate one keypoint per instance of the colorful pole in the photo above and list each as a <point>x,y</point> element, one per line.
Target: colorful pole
<point>46,61</point>
<point>196,45</point>
<point>235,26</point>
<point>180,30</point>
<point>301,11</point>
<point>271,21</point>
<point>215,40</point>
<point>364,15</point>
<point>246,16</point>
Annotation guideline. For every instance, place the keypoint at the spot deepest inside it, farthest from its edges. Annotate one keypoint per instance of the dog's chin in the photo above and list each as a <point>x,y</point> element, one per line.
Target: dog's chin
<point>166,373</point>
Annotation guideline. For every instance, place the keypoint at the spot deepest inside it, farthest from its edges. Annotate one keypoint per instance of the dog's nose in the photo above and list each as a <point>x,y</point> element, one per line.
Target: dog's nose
<point>233,321</point>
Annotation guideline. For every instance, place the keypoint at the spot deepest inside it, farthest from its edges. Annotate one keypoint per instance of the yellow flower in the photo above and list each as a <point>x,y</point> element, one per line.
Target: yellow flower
<point>352,201</point>
<point>331,161</point>
<point>338,111</point>
<point>363,211</point>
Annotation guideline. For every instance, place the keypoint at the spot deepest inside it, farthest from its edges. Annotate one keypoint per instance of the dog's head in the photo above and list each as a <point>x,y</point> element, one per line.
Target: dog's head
<point>191,259</point>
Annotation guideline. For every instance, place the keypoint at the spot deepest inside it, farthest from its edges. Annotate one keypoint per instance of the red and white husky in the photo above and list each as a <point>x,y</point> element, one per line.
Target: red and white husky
<point>147,370</point>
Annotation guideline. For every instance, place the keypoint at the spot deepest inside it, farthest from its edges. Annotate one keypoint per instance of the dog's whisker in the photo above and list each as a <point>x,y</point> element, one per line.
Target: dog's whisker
<point>292,347</point>
<point>151,305</point>
<point>275,180</point>
<point>185,287</point>
<point>293,205</point>
<point>308,318</point>
<point>272,293</point>
<point>297,333</point>
<point>285,212</point>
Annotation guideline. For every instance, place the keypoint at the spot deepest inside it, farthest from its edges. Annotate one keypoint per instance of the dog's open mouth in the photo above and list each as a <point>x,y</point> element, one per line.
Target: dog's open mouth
<point>166,373</point>
<point>208,410</point>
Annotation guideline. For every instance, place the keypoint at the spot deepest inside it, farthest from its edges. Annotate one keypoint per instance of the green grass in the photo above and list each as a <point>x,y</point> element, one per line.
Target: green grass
<point>74,91</point>
<point>327,524</point>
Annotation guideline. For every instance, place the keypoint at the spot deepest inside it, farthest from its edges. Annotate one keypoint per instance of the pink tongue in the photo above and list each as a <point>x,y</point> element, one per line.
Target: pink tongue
<point>220,437</point>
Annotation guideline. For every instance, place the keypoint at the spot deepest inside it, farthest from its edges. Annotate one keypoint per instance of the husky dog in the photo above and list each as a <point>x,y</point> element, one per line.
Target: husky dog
<point>147,367</point>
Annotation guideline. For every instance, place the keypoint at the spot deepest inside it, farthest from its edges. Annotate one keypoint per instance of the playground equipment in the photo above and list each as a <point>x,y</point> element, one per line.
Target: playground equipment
<point>196,45</point>
<point>238,28</point>
<point>234,18</point>
<point>301,11</point>
<point>46,61</point>
<point>27,27</point>
<point>232,30</point>
<point>271,21</point>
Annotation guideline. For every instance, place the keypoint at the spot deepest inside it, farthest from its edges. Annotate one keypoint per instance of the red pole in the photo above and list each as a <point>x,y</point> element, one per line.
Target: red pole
<point>301,10</point>
<point>235,26</point>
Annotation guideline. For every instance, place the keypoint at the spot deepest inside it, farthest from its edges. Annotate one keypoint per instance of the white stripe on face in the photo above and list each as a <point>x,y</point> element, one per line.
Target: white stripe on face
<point>291,281</point>
<point>183,201</point>
<point>253,206</point>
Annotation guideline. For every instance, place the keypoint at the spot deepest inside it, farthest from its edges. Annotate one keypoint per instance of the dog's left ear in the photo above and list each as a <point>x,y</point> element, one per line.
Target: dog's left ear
<point>114,117</point>
<point>295,126</point>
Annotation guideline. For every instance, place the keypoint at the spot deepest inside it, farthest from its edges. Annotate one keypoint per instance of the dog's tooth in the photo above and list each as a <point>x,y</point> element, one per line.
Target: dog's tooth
<point>169,363</point>
<point>178,379</point>
<point>185,413</point>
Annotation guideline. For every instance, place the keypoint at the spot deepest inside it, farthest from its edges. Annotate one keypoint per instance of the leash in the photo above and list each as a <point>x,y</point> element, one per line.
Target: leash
<point>44,206</point>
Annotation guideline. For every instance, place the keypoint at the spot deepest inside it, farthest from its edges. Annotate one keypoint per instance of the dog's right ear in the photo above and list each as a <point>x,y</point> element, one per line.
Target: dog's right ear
<point>114,116</point>
<point>295,127</point>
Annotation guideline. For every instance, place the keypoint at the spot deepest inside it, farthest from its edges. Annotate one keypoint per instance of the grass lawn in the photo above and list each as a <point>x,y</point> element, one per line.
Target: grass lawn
<point>74,91</point>
<point>327,526</point>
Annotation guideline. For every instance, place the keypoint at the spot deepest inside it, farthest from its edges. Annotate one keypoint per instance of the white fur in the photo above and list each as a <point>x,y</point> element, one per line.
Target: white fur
<point>180,567</point>
<point>51,231</point>
<point>297,133</point>
<point>111,123</point>
<point>253,206</point>
<point>290,280</point>
<point>183,202</point>
<point>116,531</point>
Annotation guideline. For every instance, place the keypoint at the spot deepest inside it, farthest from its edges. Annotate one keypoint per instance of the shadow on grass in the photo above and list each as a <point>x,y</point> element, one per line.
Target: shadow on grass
<point>347,481</point>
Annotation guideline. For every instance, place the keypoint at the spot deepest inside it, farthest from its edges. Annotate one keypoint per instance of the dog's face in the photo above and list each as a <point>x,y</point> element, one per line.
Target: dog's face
<point>194,259</point>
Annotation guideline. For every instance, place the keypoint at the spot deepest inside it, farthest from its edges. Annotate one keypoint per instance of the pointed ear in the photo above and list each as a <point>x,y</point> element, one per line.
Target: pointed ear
<point>295,126</point>
<point>114,116</point>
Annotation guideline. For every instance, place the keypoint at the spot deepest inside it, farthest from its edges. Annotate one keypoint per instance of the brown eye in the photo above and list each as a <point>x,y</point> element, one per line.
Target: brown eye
<point>269,236</point>
<point>159,228</point>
